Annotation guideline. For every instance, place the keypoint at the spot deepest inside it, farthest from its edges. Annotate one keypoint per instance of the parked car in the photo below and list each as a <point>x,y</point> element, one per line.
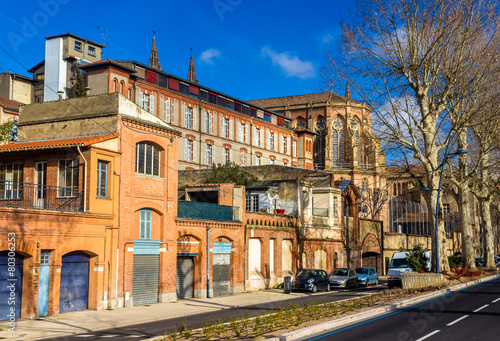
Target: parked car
<point>497,260</point>
<point>344,278</point>
<point>400,265</point>
<point>312,280</point>
<point>367,276</point>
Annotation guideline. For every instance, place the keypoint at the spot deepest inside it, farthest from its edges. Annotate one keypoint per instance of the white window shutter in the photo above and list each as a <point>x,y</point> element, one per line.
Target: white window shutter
<point>152,104</point>
<point>195,118</point>
<point>254,136</point>
<point>184,116</point>
<point>213,154</point>
<point>210,123</point>
<point>195,149</point>
<point>268,140</point>
<point>247,133</point>
<point>186,153</point>
<point>262,138</point>
<point>230,152</point>
<point>276,142</point>
<point>231,129</point>
<point>222,126</point>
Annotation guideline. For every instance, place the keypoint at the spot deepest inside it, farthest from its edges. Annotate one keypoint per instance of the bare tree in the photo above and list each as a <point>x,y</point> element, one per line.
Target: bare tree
<point>405,59</point>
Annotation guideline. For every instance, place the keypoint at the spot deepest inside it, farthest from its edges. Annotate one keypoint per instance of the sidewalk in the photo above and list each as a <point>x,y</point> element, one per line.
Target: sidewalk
<point>91,320</point>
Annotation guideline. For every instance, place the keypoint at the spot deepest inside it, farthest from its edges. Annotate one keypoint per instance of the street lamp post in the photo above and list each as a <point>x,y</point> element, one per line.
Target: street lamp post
<point>458,152</point>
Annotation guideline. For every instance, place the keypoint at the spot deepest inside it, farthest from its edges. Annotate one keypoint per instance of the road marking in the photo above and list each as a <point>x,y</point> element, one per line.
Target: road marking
<point>84,335</point>
<point>457,320</point>
<point>495,301</point>
<point>110,335</point>
<point>135,335</point>
<point>484,306</point>
<point>429,335</point>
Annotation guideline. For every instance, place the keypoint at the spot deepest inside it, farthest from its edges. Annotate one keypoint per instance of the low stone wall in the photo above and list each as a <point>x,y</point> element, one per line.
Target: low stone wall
<point>415,280</point>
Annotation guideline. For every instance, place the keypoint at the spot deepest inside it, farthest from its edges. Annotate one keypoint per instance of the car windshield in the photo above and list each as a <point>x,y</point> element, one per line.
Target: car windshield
<point>340,272</point>
<point>362,271</point>
<point>306,273</point>
<point>399,263</point>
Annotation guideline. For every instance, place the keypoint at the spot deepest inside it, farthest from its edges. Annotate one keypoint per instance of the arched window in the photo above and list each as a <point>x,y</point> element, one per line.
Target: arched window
<point>115,83</point>
<point>338,155</point>
<point>147,159</point>
<point>122,86</point>
<point>145,224</point>
<point>319,143</point>
<point>301,123</point>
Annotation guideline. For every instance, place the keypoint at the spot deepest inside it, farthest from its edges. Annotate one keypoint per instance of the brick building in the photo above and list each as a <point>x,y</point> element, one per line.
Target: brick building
<point>92,202</point>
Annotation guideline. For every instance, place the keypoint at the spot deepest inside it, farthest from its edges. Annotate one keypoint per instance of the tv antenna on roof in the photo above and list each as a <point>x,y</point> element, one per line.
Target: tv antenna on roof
<point>104,42</point>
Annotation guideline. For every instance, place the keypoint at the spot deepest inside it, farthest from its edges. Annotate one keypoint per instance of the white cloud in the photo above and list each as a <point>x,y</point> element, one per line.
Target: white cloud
<point>209,55</point>
<point>291,65</point>
<point>327,38</point>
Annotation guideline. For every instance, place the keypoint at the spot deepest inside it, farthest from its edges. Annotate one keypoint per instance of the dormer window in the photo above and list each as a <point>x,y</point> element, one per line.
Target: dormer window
<point>78,46</point>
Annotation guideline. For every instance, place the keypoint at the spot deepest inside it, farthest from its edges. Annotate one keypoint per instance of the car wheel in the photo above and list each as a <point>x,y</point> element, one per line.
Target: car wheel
<point>314,288</point>
<point>328,288</point>
<point>376,281</point>
<point>390,286</point>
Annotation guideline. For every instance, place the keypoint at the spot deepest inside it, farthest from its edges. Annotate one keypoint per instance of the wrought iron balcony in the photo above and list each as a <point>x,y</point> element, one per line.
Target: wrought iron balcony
<point>23,194</point>
<point>206,211</point>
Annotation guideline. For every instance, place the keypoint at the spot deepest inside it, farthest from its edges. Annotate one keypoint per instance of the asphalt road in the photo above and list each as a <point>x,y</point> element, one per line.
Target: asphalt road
<point>157,328</point>
<point>471,314</point>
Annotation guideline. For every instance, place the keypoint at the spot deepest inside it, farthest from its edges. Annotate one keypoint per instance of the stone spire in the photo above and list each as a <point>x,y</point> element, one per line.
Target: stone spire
<point>153,60</point>
<point>347,92</point>
<point>192,72</point>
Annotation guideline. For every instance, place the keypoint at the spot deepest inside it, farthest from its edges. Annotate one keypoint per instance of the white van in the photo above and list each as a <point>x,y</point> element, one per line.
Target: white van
<point>400,265</point>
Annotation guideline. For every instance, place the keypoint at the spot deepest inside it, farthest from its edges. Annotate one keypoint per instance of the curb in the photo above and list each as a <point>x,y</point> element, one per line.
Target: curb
<point>297,334</point>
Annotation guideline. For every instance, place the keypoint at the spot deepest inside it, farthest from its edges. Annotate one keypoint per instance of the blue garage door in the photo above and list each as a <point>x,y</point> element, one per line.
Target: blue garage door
<point>74,282</point>
<point>11,283</point>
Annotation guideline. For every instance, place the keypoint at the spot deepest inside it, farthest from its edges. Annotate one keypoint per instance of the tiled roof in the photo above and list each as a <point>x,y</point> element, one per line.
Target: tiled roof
<point>9,103</point>
<point>106,61</point>
<point>57,143</point>
<point>210,185</point>
<point>322,97</point>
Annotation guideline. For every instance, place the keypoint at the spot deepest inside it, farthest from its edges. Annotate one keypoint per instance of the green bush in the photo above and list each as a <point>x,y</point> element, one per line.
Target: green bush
<point>417,259</point>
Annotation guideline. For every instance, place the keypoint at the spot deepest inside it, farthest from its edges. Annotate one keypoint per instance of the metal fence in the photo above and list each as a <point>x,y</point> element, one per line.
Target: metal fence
<point>207,211</point>
<point>412,218</point>
<point>23,194</point>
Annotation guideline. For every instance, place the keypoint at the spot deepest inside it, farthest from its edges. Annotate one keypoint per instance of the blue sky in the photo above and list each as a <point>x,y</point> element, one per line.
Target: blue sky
<point>249,49</point>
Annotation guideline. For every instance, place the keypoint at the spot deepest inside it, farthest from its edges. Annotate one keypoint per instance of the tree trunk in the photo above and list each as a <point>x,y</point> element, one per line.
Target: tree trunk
<point>464,206</point>
<point>489,246</point>
<point>442,248</point>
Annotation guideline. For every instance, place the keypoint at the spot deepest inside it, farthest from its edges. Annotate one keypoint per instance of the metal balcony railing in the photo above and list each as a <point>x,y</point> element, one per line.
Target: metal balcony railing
<point>206,211</point>
<point>23,194</point>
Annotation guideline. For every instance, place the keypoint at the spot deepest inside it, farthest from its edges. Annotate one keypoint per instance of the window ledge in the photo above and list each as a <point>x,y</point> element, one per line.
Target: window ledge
<point>149,176</point>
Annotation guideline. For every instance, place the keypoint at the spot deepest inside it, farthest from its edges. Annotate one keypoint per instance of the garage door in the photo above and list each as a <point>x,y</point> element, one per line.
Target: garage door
<point>8,282</point>
<point>74,282</point>
<point>146,279</point>
<point>185,277</point>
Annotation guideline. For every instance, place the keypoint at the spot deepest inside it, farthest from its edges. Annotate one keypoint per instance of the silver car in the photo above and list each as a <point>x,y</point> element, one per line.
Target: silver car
<point>343,278</point>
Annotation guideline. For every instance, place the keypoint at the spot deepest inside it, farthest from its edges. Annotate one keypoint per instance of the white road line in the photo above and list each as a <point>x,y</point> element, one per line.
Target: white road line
<point>484,306</point>
<point>110,335</point>
<point>495,301</point>
<point>84,335</point>
<point>457,320</point>
<point>429,335</point>
<point>135,335</point>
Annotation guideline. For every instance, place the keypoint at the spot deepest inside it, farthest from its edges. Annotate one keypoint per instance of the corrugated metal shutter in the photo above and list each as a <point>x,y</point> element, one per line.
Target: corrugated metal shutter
<point>145,279</point>
<point>185,278</point>
<point>6,280</point>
